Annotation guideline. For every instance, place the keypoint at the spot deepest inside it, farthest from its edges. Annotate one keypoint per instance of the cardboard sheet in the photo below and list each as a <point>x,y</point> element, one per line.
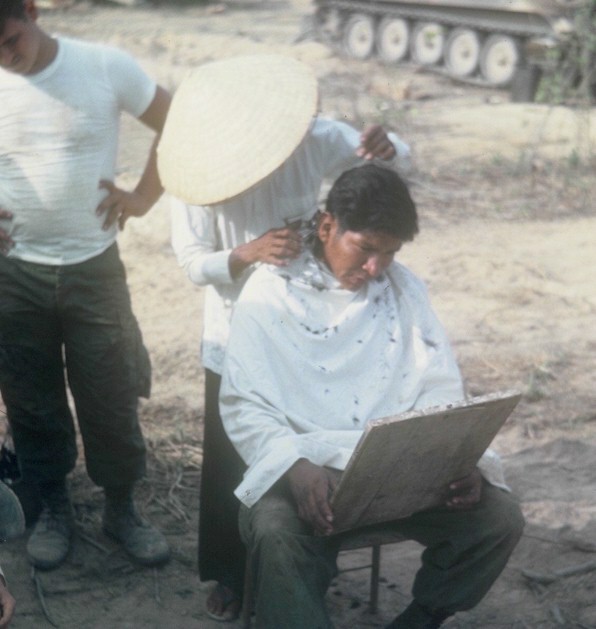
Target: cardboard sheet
<point>403,464</point>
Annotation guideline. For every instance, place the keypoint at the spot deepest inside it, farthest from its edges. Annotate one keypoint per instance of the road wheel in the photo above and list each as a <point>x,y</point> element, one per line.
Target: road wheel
<point>359,36</point>
<point>393,39</point>
<point>462,52</point>
<point>428,41</point>
<point>499,59</point>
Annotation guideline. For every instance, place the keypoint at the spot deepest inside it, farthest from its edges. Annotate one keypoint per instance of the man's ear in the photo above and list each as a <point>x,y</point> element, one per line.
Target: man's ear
<point>325,226</point>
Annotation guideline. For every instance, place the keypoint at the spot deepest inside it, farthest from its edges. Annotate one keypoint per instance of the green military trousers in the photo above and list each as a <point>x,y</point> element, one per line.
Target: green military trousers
<point>465,551</point>
<point>74,324</point>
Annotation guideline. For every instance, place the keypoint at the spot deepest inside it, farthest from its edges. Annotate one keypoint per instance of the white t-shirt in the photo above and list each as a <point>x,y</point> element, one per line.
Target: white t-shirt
<point>58,139</point>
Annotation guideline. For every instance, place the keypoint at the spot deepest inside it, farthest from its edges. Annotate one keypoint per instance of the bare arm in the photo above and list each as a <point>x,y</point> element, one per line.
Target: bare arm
<point>119,205</point>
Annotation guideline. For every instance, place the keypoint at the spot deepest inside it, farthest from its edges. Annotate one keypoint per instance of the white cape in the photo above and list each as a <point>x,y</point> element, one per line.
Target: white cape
<point>304,374</point>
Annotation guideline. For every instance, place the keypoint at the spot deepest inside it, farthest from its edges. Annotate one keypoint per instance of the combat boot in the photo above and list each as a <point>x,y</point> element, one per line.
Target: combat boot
<point>417,617</point>
<point>121,521</point>
<point>49,543</point>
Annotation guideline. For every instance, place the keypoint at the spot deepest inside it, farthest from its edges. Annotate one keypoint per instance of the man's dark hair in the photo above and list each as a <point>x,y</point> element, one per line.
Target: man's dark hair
<point>11,9</point>
<point>373,198</point>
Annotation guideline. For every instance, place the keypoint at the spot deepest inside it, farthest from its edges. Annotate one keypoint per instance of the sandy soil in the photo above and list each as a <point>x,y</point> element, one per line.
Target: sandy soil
<point>506,195</point>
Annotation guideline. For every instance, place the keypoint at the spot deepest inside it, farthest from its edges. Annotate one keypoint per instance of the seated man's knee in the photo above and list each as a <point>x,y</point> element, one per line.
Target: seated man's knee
<point>273,517</point>
<point>516,520</point>
<point>506,515</point>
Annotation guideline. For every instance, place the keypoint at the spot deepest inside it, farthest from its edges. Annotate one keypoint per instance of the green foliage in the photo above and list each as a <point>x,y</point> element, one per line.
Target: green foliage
<point>570,69</point>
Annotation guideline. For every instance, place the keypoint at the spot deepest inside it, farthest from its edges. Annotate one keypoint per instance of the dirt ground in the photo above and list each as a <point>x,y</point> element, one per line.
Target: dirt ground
<point>506,197</point>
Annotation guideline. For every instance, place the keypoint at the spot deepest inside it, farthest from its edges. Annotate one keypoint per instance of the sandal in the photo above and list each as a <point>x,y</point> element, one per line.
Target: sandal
<point>227,600</point>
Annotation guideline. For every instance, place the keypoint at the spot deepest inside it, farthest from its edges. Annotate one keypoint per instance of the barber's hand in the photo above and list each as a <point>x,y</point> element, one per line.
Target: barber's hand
<point>465,492</point>
<point>375,143</point>
<point>275,246</point>
<point>6,242</point>
<point>7,605</point>
<point>119,205</point>
<point>311,486</point>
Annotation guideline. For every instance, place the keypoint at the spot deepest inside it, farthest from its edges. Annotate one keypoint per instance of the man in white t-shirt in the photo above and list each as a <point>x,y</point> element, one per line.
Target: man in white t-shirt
<point>65,305</point>
<point>342,335</point>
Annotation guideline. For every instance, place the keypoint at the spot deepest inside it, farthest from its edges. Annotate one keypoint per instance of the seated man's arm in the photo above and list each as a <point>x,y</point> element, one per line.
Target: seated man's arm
<point>444,385</point>
<point>265,421</point>
<point>253,410</point>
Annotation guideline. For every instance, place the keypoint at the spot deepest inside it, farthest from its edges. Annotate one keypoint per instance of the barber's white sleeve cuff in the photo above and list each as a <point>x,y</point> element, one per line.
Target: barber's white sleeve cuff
<point>402,161</point>
<point>491,468</point>
<point>214,268</point>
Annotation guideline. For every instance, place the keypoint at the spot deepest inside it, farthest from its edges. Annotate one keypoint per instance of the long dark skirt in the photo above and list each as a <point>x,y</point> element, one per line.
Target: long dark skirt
<point>222,554</point>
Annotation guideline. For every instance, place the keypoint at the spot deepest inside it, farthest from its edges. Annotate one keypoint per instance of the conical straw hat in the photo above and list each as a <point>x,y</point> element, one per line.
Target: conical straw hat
<point>232,123</point>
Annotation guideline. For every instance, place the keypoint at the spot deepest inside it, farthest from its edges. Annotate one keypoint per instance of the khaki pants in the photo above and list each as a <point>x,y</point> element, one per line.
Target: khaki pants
<point>292,569</point>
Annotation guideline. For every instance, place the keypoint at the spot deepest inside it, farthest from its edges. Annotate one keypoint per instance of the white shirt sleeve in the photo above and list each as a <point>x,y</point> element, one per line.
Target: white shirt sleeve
<point>195,243</point>
<point>444,384</point>
<point>402,160</point>
<point>341,141</point>
<point>134,88</point>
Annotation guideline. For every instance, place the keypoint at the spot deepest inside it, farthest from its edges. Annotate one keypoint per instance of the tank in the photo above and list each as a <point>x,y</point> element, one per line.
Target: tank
<point>483,41</point>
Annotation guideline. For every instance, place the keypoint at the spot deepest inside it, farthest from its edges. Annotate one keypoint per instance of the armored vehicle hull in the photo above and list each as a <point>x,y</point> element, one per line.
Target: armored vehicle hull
<point>482,41</point>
